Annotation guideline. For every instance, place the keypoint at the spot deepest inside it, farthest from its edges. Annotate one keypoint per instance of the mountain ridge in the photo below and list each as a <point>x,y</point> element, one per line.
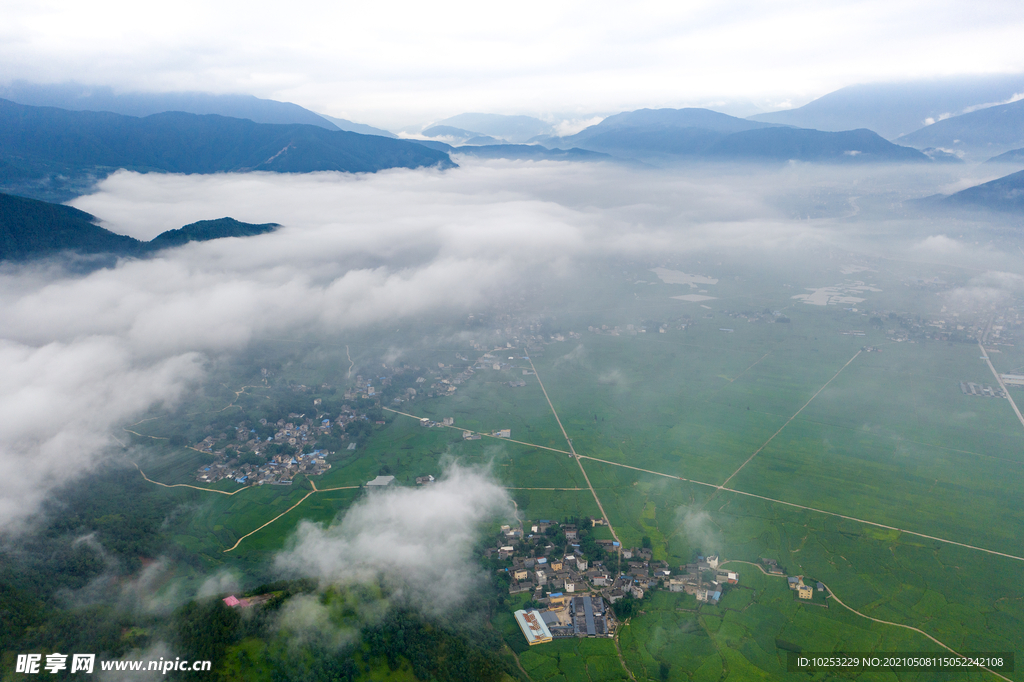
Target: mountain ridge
<point>78,97</point>
<point>1004,194</point>
<point>53,153</point>
<point>705,134</point>
<point>895,109</point>
<point>30,228</point>
<point>981,134</point>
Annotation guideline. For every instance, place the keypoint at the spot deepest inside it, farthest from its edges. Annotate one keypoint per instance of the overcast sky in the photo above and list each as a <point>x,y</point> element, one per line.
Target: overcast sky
<point>400,63</point>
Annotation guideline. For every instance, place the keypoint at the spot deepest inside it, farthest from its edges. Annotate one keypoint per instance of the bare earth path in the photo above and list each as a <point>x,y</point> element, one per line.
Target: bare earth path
<point>723,488</point>
<point>999,380</point>
<point>576,457</point>
<point>877,620</point>
<point>795,415</point>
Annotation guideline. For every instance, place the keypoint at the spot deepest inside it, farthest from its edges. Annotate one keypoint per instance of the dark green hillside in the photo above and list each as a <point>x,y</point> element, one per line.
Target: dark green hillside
<point>204,230</point>
<point>30,228</point>
<point>39,145</point>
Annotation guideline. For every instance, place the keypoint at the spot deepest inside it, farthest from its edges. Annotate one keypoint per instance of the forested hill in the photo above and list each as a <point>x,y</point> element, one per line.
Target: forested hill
<point>54,153</point>
<point>30,228</point>
<point>205,230</point>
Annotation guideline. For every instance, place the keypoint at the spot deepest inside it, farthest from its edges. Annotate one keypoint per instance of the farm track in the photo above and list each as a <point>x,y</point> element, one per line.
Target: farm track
<point>723,488</point>
<point>572,451</point>
<point>788,421</point>
<point>877,620</point>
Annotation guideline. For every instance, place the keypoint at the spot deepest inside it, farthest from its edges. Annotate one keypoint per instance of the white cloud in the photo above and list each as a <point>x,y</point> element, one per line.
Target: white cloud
<point>989,291</point>
<point>390,64</point>
<point>81,355</point>
<point>573,126</point>
<point>60,403</point>
<point>1016,97</point>
<point>220,583</point>
<point>419,541</point>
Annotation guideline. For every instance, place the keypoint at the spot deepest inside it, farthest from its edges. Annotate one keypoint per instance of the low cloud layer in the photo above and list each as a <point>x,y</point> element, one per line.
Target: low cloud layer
<point>60,402</point>
<point>81,355</point>
<point>418,540</point>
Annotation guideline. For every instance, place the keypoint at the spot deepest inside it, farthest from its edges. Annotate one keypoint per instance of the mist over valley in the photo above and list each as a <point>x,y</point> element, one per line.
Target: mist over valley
<point>672,347</point>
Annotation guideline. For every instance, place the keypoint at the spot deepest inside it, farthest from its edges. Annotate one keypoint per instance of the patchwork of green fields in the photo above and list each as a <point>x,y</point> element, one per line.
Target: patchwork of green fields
<point>889,438</point>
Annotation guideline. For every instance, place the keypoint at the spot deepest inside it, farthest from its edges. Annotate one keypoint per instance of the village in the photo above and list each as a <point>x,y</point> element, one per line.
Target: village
<point>277,459</point>
<point>571,595</point>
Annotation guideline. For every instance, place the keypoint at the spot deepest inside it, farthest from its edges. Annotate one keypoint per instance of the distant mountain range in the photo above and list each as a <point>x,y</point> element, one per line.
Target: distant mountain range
<point>54,153</point>
<point>1003,194</point>
<point>361,128</point>
<point>705,134</point>
<point>30,229</point>
<point>78,97</point>
<point>1012,156</point>
<point>459,136</point>
<point>499,126</point>
<point>518,151</point>
<point>895,109</point>
<point>977,135</point>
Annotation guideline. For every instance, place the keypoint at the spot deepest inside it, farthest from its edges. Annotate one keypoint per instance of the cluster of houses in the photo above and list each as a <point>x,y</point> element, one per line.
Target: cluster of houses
<point>573,592</point>
<point>299,432</point>
<point>704,579</point>
<point>279,470</point>
<point>803,591</point>
<point>365,389</point>
<point>567,616</point>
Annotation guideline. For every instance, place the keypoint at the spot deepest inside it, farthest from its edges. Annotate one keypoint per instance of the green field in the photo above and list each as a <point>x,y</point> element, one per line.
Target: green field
<point>884,437</point>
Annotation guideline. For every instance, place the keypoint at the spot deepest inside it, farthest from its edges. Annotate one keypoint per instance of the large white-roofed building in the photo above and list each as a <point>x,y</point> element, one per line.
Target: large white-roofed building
<point>533,626</point>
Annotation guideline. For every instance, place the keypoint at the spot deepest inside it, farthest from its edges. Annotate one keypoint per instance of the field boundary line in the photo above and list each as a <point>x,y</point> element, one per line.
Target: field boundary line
<point>876,524</point>
<point>877,620</point>
<point>812,509</point>
<point>239,541</point>
<point>731,381</point>
<point>656,473</point>
<point>572,451</point>
<point>751,563</point>
<point>999,380</point>
<point>909,627</point>
<point>211,490</point>
<point>511,488</point>
<point>722,487</point>
<point>184,485</point>
<point>788,421</point>
<point>481,433</point>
